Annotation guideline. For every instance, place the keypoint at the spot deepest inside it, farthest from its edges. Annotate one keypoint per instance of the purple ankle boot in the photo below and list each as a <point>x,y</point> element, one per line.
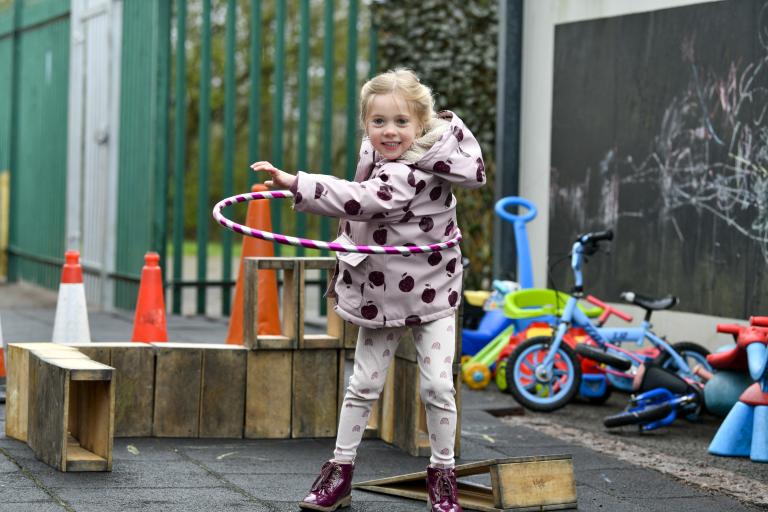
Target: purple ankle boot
<point>332,489</point>
<point>441,487</point>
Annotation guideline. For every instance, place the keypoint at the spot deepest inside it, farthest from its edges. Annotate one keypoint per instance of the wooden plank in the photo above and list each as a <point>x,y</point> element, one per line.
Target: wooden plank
<point>80,459</point>
<point>533,483</point>
<point>81,369</point>
<point>520,472</point>
<point>268,394</point>
<point>17,391</point>
<point>292,305</point>
<point>134,365</point>
<point>349,334</point>
<point>48,412</point>
<point>222,405</point>
<point>178,373</point>
<point>92,424</point>
<point>315,392</point>
<point>250,303</point>
<point>97,352</point>
<point>318,263</point>
<point>321,341</point>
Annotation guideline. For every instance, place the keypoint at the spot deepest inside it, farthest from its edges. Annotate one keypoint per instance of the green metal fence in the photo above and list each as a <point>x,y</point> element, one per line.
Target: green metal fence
<point>34,56</point>
<point>206,88</point>
<point>254,80</point>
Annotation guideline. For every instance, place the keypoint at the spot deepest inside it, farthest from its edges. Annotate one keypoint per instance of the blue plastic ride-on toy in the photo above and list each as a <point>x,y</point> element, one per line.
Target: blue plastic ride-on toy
<point>494,322</point>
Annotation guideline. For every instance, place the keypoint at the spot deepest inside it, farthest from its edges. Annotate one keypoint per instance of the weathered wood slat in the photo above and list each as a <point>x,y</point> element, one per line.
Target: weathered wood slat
<point>178,374</point>
<point>222,407</point>
<point>315,393</point>
<point>268,394</point>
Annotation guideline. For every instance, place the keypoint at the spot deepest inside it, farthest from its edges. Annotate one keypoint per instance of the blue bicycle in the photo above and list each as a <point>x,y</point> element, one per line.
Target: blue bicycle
<point>544,372</point>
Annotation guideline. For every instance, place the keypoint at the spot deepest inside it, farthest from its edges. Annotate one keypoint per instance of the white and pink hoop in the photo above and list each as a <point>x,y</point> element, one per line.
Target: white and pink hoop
<point>316,244</point>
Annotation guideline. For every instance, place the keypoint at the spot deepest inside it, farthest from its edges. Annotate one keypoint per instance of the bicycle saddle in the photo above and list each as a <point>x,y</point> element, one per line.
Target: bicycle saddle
<point>650,303</point>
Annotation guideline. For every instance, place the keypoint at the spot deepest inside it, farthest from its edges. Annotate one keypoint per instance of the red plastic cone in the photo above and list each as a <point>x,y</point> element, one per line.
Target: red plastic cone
<point>258,217</point>
<point>149,322</point>
<point>71,322</point>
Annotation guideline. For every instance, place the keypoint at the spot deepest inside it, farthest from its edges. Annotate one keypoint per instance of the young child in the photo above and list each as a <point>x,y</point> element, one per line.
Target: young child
<point>409,160</point>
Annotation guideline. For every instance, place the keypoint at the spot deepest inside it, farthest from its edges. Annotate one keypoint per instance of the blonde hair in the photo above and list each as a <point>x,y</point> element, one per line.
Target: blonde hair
<point>405,84</point>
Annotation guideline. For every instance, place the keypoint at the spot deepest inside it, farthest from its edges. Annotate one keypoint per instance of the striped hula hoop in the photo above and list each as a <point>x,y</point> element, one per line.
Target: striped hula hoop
<point>316,244</point>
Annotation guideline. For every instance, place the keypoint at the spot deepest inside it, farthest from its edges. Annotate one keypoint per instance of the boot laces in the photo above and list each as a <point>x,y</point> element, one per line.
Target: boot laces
<point>445,485</point>
<point>326,478</point>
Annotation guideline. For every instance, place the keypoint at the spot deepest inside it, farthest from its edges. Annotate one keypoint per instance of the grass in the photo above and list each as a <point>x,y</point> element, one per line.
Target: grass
<point>215,249</point>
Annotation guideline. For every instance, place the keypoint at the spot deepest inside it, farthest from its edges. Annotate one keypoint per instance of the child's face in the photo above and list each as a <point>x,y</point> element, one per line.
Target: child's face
<point>390,125</point>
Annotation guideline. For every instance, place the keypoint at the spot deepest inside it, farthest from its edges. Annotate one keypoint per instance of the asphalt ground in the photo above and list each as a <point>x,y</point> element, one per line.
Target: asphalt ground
<point>667,470</point>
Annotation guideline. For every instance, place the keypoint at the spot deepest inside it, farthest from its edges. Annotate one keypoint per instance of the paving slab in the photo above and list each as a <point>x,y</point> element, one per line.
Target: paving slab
<point>193,475</point>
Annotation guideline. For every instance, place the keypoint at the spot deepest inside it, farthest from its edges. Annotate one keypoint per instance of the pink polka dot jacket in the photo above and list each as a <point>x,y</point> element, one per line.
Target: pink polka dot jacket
<point>401,202</point>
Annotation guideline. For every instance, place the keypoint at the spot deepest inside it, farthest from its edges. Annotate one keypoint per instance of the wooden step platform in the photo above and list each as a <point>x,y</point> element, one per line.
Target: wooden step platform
<point>517,483</point>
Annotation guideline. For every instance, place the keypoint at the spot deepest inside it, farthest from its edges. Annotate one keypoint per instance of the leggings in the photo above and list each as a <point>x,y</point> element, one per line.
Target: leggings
<point>375,350</point>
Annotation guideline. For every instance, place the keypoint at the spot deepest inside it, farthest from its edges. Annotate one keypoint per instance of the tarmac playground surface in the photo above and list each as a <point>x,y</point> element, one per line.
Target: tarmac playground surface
<point>613,472</point>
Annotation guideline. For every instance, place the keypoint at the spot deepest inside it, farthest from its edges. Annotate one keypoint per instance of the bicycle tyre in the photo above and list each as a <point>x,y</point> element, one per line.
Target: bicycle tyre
<point>544,396</point>
<point>686,349</point>
<point>647,415</point>
<point>601,356</point>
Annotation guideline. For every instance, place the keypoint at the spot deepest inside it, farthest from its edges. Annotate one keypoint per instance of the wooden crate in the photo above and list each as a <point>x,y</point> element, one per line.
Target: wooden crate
<point>71,412</point>
<point>293,300</point>
<point>293,393</point>
<point>134,365</point>
<point>17,383</point>
<point>517,483</point>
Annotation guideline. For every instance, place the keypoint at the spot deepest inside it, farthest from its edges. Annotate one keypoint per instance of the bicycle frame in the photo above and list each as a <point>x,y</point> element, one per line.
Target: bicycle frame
<point>605,337</point>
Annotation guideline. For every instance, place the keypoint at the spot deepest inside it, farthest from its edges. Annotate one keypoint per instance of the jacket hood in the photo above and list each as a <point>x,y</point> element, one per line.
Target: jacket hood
<point>454,155</point>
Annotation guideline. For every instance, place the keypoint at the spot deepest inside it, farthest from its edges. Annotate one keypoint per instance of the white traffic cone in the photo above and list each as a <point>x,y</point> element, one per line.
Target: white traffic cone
<point>71,323</point>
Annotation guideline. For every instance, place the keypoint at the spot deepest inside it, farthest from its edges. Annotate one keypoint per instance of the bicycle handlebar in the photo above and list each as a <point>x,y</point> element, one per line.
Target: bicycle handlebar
<point>758,321</point>
<point>729,328</point>
<point>608,310</point>
<point>596,236</point>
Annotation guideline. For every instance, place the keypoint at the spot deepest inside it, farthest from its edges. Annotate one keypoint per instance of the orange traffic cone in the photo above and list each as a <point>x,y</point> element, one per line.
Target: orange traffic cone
<point>258,217</point>
<point>71,322</point>
<point>149,322</point>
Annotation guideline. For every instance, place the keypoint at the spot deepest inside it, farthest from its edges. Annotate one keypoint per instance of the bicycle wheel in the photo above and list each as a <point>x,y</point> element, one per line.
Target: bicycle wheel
<point>539,388</point>
<point>647,415</point>
<point>601,356</point>
<point>693,353</point>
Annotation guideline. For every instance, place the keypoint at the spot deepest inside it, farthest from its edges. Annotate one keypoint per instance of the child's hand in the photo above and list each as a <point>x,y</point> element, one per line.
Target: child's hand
<point>280,179</point>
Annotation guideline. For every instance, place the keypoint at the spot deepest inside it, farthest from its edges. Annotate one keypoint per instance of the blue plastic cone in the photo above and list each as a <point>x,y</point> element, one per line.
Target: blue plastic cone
<point>734,437</point>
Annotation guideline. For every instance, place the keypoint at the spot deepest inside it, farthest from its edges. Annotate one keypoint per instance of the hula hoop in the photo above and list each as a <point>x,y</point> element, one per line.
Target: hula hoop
<point>316,244</point>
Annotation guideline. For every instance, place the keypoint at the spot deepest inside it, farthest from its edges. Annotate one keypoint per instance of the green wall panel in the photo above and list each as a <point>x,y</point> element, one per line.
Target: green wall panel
<point>39,177</point>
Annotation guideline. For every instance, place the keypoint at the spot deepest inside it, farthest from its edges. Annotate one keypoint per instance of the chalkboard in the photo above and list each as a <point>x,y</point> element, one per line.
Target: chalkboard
<point>660,132</point>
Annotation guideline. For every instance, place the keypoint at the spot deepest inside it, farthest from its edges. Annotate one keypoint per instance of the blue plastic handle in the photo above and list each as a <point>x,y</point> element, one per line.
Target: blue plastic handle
<point>524,268</point>
<point>505,202</point>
